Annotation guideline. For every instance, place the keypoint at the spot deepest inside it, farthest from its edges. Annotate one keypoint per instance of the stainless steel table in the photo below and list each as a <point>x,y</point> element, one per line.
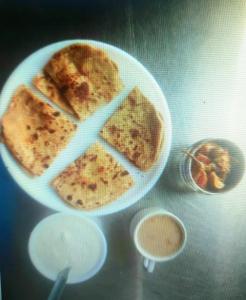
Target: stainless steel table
<point>195,50</point>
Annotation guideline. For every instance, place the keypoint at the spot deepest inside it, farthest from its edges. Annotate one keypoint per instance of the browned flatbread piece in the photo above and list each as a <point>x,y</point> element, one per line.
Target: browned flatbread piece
<point>136,130</point>
<point>102,72</point>
<point>93,180</point>
<point>34,131</point>
<point>85,76</point>
<point>44,83</point>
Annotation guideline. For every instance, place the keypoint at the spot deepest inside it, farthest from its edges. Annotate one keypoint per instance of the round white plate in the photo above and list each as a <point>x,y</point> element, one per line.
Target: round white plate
<point>133,74</point>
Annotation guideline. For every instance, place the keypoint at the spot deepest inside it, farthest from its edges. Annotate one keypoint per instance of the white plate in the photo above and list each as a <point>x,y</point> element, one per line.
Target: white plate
<point>132,73</point>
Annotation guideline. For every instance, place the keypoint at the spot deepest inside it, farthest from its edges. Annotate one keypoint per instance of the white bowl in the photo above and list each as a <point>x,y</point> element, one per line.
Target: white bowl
<point>47,222</point>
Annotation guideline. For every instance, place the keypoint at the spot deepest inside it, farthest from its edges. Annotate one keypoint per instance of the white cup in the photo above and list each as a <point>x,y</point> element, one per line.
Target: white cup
<point>137,221</point>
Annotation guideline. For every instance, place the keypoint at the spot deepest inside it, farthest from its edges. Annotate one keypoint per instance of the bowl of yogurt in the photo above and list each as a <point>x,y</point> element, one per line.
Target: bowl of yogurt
<point>63,240</point>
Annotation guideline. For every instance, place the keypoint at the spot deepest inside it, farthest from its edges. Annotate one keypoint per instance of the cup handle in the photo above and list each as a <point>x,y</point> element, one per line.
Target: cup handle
<point>149,265</point>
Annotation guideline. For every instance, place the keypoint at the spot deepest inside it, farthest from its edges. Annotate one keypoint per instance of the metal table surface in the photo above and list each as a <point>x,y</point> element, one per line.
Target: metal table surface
<point>195,50</point>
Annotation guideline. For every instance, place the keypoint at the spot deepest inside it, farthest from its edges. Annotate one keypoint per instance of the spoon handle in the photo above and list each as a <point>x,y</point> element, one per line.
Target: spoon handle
<point>59,285</point>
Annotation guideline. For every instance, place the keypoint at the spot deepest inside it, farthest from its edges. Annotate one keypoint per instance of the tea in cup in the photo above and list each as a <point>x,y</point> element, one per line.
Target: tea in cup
<point>158,235</point>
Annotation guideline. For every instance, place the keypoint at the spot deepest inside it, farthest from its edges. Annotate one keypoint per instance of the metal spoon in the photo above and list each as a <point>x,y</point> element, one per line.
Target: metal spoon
<point>59,285</point>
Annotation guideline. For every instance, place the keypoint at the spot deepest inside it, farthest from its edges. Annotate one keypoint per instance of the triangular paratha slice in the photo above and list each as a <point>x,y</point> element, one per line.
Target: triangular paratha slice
<point>136,129</point>
<point>85,76</point>
<point>34,131</point>
<point>93,180</point>
<point>44,83</point>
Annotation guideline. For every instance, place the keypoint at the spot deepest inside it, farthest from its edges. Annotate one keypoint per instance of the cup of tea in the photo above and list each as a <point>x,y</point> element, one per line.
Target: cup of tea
<point>158,235</point>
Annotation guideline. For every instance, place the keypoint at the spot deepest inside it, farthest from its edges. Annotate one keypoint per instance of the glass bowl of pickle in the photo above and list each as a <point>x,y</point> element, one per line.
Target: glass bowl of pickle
<point>212,166</point>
